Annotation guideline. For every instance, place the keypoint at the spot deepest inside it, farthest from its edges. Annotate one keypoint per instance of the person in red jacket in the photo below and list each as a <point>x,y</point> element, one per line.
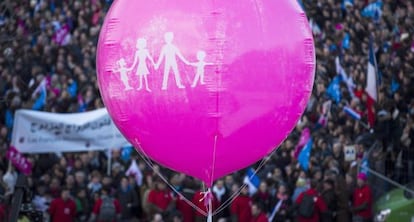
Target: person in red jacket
<point>362,200</point>
<point>320,208</point>
<point>63,209</point>
<point>240,209</point>
<point>160,199</point>
<point>258,213</point>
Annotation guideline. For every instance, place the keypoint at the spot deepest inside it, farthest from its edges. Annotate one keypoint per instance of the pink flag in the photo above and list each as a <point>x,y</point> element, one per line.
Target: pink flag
<point>62,35</point>
<point>304,138</point>
<point>323,120</point>
<point>19,161</point>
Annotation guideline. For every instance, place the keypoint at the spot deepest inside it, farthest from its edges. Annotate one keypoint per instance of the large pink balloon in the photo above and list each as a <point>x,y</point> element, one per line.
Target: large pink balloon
<point>205,87</point>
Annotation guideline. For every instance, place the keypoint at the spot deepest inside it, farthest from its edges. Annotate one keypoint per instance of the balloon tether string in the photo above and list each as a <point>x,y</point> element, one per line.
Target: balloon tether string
<point>151,165</point>
<point>209,194</point>
<point>235,194</point>
<point>210,207</point>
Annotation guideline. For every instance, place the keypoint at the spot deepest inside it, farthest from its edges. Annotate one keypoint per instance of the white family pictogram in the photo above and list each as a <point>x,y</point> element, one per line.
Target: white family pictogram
<point>123,71</point>
<point>141,55</point>
<point>169,54</point>
<point>201,55</point>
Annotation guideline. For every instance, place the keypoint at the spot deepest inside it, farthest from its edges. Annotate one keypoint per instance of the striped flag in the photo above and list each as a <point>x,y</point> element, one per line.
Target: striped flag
<point>326,107</point>
<point>352,113</point>
<point>372,84</point>
<point>347,79</point>
<point>304,138</point>
<point>323,118</point>
<point>355,115</point>
<point>134,170</point>
<point>371,88</point>
<point>40,102</point>
<point>252,180</point>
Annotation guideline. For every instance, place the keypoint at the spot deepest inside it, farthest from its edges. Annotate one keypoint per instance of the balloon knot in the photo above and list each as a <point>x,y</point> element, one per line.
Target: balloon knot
<point>207,197</point>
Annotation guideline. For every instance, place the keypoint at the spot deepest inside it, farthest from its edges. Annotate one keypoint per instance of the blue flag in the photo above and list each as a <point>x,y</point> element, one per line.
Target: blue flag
<point>394,86</point>
<point>304,156</point>
<point>373,10</point>
<point>9,119</point>
<point>40,101</point>
<point>73,89</point>
<point>334,89</point>
<point>126,153</point>
<point>346,41</point>
<point>364,166</point>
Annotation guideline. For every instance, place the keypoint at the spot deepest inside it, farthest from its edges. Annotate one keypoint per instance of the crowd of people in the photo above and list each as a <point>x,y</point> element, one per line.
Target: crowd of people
<point>52,43</point>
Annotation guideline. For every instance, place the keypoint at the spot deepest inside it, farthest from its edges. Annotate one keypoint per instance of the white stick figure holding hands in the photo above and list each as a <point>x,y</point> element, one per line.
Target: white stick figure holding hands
<point>170,52</point>
<point>201,55</point>
<point>124,73</point>
<point>141,55</point>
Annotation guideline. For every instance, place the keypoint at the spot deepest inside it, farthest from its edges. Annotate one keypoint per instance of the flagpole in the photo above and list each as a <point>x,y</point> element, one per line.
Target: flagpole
<point>364,125</point>
<point>108,170</point>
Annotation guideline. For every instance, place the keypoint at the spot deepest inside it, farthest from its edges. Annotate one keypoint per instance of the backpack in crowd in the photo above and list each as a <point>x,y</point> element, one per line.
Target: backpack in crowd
<point>307,206</point>
<point>107,212</point>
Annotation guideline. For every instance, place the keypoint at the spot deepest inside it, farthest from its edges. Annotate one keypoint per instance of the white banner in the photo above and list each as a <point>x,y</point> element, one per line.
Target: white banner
<point>41,132</point>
